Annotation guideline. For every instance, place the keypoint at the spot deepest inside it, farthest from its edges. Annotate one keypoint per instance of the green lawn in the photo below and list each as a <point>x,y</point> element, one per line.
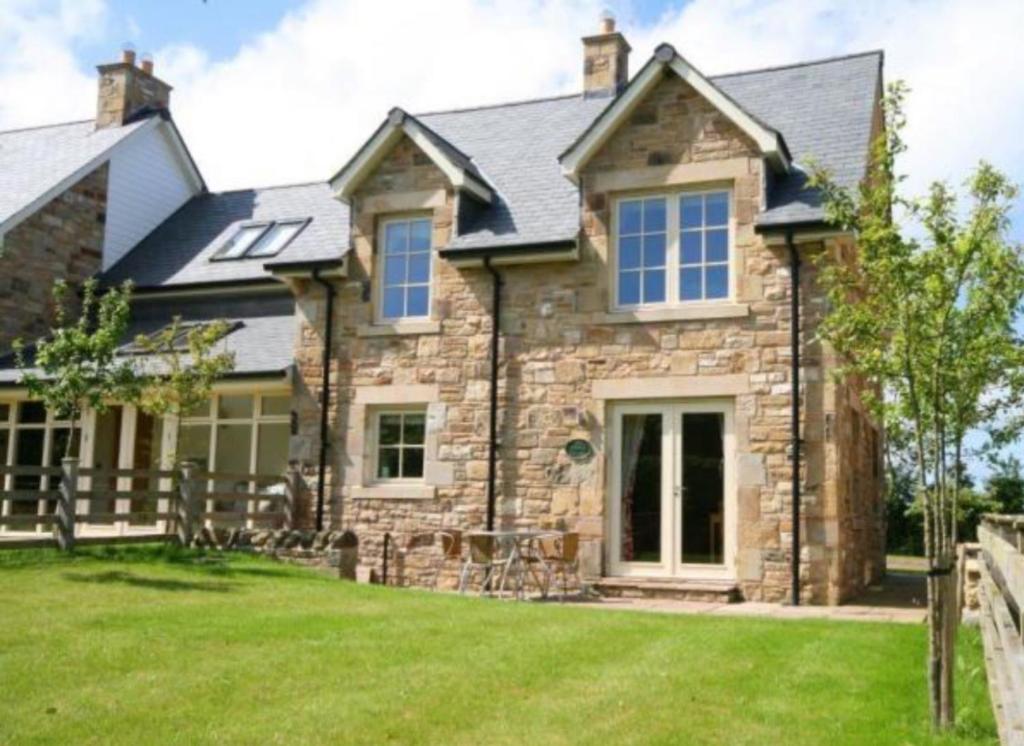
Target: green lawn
<point>148,645</point>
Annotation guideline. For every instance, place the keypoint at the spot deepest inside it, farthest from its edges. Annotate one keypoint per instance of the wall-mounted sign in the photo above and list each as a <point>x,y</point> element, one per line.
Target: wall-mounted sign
<point>579,449</point>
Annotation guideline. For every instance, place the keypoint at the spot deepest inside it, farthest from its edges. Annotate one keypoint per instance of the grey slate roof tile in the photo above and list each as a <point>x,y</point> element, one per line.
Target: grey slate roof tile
<point>34,160</point>
<point>822,109</point>
<point>178,252</point>
<point>263,338</point>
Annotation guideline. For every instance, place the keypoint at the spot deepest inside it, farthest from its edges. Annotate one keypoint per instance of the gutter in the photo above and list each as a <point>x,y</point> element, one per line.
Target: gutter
<point>794,376</point>
<point>492,443</point>
<point>509,250</point>
<point>325,397</point>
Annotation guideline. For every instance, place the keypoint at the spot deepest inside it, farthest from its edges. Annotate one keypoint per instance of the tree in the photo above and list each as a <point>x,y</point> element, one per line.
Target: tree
<point>923,322</point>
<point>77,366</point>
<point>184,367</point>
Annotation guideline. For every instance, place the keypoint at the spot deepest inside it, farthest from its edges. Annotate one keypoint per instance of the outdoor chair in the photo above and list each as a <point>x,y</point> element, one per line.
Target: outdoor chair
<point>484,557</point>
<point>451,549</point>
<point>561,554</point>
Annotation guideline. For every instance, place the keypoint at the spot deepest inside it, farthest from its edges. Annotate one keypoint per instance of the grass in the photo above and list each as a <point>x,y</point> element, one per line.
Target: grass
<point>151,645</point>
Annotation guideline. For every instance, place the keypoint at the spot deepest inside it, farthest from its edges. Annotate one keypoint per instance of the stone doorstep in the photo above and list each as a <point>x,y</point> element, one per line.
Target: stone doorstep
<point>675,589</point>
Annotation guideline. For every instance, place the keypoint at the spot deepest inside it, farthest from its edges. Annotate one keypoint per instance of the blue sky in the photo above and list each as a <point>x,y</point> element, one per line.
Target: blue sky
<point>270,92</point>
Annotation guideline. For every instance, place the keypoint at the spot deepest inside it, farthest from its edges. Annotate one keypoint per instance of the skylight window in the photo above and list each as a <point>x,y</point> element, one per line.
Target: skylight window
<point>144,343</point>
<point>261,239</point>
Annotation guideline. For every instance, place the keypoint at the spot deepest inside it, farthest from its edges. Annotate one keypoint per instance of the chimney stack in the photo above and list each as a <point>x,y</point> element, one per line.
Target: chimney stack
<point>605,60</point>
<point>125,90</point>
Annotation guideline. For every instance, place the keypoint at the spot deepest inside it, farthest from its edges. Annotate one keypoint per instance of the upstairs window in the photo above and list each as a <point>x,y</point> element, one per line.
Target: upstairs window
<point>672,249</point>
<point>405,269</point>
<point>260,239</point>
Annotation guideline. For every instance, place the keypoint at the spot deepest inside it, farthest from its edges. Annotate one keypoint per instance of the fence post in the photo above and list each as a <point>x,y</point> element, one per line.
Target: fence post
<point>66,504</point>
<point>292,489</point>
<point>186,503</point>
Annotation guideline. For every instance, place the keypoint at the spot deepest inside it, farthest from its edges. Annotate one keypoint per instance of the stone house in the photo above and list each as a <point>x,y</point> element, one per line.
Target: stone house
<point>595,311</point>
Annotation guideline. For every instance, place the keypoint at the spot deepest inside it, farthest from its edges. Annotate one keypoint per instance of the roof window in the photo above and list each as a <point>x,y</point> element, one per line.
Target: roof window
<point>260,239</point>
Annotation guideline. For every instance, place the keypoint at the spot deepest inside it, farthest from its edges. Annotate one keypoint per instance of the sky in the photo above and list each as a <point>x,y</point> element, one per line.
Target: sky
<point>272,92</point>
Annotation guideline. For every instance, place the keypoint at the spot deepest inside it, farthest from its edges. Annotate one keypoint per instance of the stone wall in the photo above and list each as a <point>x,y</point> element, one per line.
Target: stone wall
<point>566,357</point>
<point>62,240</point>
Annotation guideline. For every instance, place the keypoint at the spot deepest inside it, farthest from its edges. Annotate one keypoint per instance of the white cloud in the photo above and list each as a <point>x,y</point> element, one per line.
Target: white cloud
<point>40,78</point>
<point>293,103</point>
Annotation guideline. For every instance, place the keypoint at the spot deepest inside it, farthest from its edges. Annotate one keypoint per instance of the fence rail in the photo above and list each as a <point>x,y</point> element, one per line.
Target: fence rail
<point>177,506</point>
<point>1001,594</point>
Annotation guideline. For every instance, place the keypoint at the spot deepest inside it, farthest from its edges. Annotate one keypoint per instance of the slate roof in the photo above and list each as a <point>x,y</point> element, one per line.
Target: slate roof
<point>823,110</point>
<point>263,337</point>
<point>34,160</point>
<point>178,251</point>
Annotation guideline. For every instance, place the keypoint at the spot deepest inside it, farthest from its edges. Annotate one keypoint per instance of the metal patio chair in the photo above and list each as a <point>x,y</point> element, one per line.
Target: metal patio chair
<point>561,555</point>
<point>451,549</point>
<point>484,557</point>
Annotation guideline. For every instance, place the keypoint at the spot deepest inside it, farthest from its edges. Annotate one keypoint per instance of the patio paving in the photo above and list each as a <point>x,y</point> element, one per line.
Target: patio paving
<point>899,598</point>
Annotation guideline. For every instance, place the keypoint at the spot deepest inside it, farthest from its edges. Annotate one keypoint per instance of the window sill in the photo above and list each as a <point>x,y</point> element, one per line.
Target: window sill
<point>398,327</point>
<point>677,313</point>
<point>394,492</point>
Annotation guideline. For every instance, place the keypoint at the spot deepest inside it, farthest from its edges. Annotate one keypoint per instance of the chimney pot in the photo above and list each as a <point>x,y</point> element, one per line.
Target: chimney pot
<point>147,64</point>
<point>607,22</point>
<point>128,53</point>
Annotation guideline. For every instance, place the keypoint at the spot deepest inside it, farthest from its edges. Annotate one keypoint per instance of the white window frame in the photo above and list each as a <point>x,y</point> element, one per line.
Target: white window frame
<point>375,416</point>
<point>381,283</point>
<point>673,249</point>
<point>265,228</point>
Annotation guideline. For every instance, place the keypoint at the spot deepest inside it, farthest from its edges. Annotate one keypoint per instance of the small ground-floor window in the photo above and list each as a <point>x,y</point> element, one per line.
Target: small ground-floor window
<point>31,436</point>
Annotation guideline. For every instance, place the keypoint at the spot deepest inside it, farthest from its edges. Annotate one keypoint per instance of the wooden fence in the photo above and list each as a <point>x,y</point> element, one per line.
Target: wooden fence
<point>1002,603</point>
<point>76,504</point>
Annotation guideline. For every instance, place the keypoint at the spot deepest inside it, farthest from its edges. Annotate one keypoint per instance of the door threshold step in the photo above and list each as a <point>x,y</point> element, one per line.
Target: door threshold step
<point>676,589</point>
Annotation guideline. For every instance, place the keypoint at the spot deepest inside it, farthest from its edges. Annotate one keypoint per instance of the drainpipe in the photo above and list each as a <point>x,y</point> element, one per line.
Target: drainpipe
<point>794,376</point>
<point>492,445</point>
<point>325,397</point>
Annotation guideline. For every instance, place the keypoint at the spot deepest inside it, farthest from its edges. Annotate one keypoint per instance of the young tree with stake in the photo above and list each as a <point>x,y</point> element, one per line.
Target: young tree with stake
<point>925,327</point>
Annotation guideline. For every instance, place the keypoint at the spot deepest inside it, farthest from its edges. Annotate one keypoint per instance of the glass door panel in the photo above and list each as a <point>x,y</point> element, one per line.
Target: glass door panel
<point>640,506</point>
<point>703,480</point>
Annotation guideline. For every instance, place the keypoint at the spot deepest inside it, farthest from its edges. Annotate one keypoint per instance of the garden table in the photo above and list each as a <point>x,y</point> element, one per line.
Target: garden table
<point>516,544</point>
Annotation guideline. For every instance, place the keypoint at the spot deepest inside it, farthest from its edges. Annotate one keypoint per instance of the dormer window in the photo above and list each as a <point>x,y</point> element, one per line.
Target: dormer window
<point>260,239</point>
<point>405,269</point>
<point>672,249</point>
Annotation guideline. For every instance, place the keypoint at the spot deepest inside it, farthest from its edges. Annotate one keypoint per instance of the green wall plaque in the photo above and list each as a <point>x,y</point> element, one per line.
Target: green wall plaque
<point>579,449</point>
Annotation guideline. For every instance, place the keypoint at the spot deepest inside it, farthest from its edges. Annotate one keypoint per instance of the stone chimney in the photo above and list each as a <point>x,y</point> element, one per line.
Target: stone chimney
<point>125,90</point>
<point>605,60</point>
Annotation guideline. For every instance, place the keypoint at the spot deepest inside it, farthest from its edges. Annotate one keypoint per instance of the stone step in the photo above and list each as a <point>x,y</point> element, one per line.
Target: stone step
<point>676,589</point>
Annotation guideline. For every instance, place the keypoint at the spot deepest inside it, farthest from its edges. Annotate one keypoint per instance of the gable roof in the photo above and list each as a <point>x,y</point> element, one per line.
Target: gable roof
<point>821,109</point>
<point>665,60</point>
<point>38,163</point>
<point>456,165</point>
<point>178,252</point>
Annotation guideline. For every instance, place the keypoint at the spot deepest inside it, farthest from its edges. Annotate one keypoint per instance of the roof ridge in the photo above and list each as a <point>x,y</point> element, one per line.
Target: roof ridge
<point>313,182</point>
<point>45,126</point>
<point>521,102</point>
<point>803,63</point>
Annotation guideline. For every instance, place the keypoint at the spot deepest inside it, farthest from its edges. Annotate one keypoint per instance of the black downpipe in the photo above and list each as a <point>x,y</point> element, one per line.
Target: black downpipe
<point>794,375</point>
<point>492,452</point>
<point>325,398</point>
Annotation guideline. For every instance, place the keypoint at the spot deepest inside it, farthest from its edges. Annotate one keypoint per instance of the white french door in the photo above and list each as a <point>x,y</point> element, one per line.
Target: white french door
<point>672,489</point>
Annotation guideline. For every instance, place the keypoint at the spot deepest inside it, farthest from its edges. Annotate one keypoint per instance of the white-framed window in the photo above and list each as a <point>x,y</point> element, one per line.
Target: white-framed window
<point>238,433</point>
<point>399,438</point>
<point>31,435</point>
<point>262,239</point>
<point>406,258</point>
<point>672,248</point>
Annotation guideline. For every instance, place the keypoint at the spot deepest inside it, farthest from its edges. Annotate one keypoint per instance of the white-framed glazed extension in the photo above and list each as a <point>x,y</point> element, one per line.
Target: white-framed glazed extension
<point>242,435</point>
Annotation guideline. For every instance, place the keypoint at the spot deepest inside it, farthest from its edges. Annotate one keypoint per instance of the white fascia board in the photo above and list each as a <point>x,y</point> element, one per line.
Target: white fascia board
<point>580,155</point>
<point>184,159</point>
<point>73,178</point>
<point>345,184</point>
<point>767,140</point>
